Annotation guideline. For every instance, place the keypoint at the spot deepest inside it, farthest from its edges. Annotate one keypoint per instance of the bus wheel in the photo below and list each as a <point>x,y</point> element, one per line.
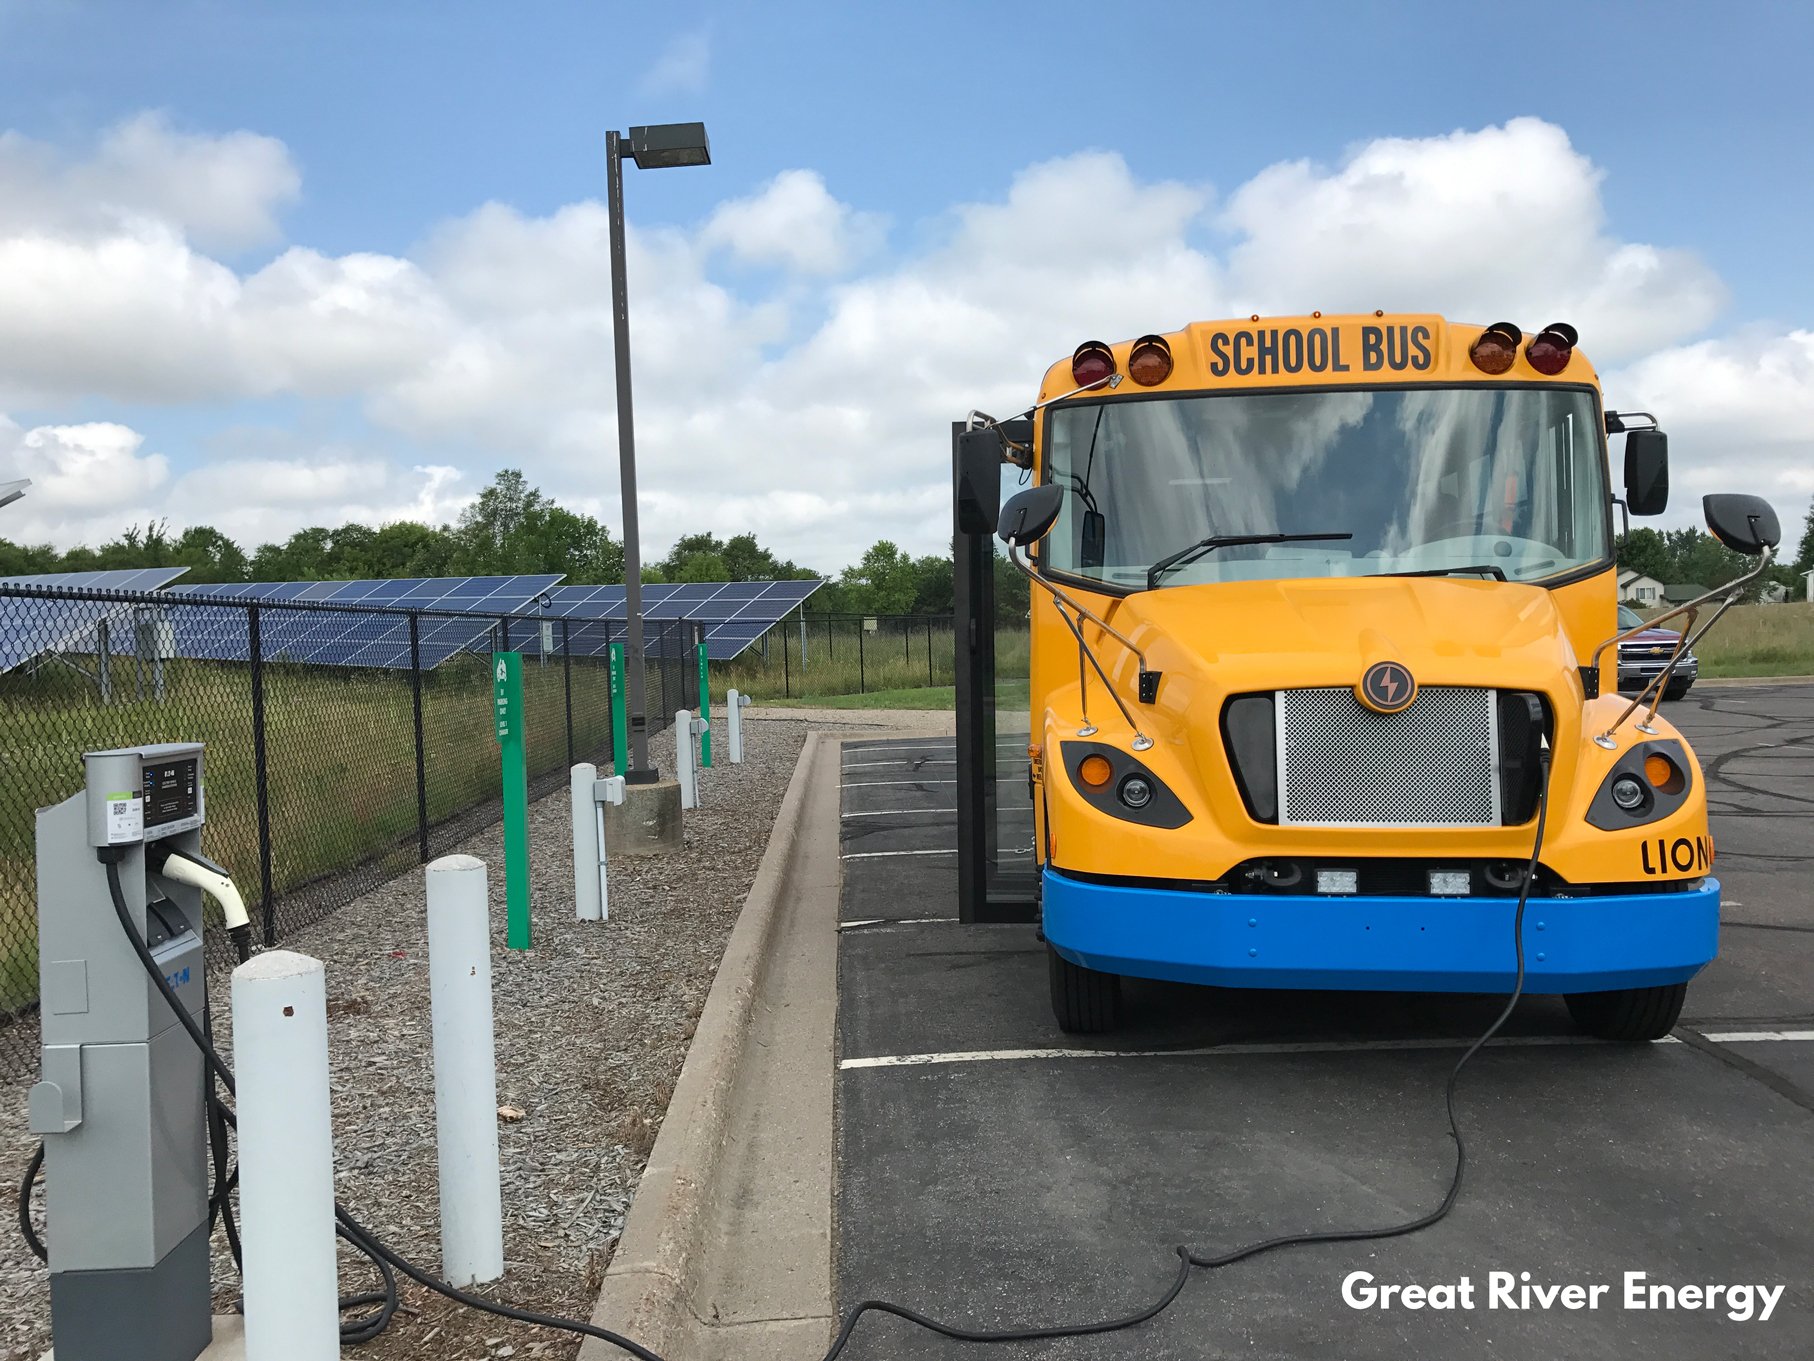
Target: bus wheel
<point>1630,1013</point>
<point>1084,1001</point>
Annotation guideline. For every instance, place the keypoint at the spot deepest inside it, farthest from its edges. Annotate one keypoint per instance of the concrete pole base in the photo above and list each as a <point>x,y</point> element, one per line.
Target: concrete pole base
<point>647,822</point>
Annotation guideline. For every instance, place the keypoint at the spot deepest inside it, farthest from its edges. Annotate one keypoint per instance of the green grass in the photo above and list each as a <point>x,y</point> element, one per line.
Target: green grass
<point>1759,640</point>
<point>340,762</point>
<point>852,661</point>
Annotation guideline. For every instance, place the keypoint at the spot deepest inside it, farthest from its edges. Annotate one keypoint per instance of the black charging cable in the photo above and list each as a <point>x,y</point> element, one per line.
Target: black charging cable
<point>386,1258</point>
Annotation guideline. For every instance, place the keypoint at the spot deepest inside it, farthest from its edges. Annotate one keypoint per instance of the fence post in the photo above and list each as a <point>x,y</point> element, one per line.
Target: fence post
<point>104,660</point>
<point>415,686</point>
<point>260,774</point>
<point>862,679</point>
<point>286,1159</point>
<point>787,680</point>
<point>929,651</point>
<point>466,1071</point>
<point>620,730</point>
<point>567,686</point>
<point>907,638</point>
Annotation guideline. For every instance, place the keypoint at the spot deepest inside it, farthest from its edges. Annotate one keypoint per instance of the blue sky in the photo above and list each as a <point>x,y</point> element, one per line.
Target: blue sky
<point>397,122</point>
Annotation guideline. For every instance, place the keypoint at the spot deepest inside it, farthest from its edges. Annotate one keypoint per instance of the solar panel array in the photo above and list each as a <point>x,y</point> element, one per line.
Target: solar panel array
<point>31,626</point>
<point>581,619</point>
<point>734,613</point>
<point>334,638</point>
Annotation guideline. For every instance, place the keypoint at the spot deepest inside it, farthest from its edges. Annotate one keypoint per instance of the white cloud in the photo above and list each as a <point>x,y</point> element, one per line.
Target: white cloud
<point>684,66</point>
<point>816,413</point>
<point>223,192</point>
<point>87,480</point>
<point>1505,222</point>
<point>794,222</point>
<point>1740,416</point>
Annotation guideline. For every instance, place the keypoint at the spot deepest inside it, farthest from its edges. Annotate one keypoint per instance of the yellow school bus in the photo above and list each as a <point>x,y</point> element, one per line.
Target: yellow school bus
<point>1316,694</point>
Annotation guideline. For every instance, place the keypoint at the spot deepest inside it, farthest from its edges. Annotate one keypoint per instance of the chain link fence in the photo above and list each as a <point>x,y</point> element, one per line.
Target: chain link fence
<point>845,654</point>
<point>344,744</point>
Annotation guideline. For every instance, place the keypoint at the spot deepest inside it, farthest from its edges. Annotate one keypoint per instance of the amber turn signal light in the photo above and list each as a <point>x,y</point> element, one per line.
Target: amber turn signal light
<point>1662,773</point>
<point>1149,363</point>
<point>1095,771</point>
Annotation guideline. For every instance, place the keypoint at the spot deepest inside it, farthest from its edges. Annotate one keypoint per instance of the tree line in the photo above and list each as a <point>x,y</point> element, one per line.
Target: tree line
<point>1692,557</point>
<point>515,529</point>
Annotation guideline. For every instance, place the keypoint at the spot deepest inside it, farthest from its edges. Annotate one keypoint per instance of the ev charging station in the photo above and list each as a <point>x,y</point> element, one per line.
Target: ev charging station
<point>121,1101</point>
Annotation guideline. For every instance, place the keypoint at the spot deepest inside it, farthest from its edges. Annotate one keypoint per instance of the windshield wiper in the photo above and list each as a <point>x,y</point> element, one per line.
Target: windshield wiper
<point>1203,547</point>
<point>1486,567</point>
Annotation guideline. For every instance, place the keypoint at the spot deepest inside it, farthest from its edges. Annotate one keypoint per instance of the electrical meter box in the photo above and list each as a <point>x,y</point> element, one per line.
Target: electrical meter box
<point>120,1100</point>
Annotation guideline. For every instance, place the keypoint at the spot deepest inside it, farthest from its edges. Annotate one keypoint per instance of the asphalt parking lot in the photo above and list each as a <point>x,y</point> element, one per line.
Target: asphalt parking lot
<point>995,1172</point>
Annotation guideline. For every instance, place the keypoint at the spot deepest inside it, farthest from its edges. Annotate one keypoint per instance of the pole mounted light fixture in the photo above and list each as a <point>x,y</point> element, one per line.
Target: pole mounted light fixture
<point>657,146</point>
<point>12,491</point>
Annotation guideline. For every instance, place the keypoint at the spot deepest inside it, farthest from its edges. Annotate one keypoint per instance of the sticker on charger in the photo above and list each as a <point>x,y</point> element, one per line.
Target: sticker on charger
<point>125,817</point>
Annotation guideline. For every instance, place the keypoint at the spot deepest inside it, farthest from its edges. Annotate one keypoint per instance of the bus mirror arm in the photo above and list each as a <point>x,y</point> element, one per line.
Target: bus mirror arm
<point>1149,680</point>
<point>1726,595</point>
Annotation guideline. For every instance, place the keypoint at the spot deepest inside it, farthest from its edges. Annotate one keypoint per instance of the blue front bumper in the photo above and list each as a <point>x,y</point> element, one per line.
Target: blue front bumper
<point>1253,940</point>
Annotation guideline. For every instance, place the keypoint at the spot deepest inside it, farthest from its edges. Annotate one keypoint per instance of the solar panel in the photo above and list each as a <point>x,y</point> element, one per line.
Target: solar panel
<point>735,613</point>
<point>333,638</point>
<point>31,626</point>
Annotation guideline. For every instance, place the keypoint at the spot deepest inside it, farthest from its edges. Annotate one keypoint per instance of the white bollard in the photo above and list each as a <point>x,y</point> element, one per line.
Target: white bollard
<point>588,845</point>
<point>466,1075</point>
<point>734,703</point>
<point>686,771</point>
<point>286,1159</point>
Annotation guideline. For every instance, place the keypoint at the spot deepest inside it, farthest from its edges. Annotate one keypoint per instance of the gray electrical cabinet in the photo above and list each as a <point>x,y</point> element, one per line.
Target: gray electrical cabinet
<point>121,1100</point>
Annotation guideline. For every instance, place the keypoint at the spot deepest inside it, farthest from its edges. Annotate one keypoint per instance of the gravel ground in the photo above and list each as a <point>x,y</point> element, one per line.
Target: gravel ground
<point>592,1027</point>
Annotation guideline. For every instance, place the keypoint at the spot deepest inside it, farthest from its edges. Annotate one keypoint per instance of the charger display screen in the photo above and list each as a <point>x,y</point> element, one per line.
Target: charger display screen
<point>170,791</point>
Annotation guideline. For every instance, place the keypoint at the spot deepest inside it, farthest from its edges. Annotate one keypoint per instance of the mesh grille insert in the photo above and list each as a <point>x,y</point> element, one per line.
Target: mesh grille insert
<point>1432,765</point>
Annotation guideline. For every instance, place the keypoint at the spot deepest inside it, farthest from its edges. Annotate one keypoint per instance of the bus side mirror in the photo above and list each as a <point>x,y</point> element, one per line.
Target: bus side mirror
<point>1745,524</point>
<point>979,460</point>
<point>1029,515</point>
<point>1646,471</point>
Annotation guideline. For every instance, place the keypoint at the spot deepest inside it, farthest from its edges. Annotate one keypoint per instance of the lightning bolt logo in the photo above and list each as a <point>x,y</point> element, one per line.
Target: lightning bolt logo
<point>1386,687</point>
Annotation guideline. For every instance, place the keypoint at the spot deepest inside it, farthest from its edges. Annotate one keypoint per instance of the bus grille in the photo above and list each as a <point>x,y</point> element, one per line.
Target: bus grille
<point>1433,764</point>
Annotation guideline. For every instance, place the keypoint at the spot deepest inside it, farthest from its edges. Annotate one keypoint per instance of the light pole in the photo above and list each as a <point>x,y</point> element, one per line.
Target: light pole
<point>652,148</point>
<point>12,491</point>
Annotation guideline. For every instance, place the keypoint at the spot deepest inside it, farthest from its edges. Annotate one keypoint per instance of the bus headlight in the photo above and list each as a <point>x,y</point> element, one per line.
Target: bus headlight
<point>1628,793</point>
<point>1136,791</point>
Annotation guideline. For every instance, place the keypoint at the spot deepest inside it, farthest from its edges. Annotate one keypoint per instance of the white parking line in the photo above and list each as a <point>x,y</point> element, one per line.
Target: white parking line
<point>881,855</point>
<point>897,812</point>
<point>889,784</point>
<point>1302,1047</point>
<point>1759,1036</point>
<point>915,761</point>
<point>893,921</point>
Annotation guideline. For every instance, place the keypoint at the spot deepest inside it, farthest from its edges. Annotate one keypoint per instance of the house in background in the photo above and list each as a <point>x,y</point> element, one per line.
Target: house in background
<point>1637,589</point>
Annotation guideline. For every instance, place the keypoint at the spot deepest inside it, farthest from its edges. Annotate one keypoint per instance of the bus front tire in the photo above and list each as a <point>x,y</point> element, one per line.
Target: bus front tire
<point>1084,1001</point>
<point>1630,1013</point>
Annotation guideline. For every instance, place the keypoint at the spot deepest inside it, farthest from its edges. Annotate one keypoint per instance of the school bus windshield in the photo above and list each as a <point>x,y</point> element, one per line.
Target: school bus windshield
<point>1424,479</point>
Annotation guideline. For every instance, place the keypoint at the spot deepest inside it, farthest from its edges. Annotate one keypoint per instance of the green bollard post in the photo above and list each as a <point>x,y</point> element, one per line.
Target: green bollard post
<point>705,711</point>
<point>507,700</point>
<point>620,721</point>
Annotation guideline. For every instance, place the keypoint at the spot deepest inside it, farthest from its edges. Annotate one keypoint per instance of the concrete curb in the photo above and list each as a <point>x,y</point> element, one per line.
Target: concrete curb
<point>1755,680</point>
<point>745,1147</point>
